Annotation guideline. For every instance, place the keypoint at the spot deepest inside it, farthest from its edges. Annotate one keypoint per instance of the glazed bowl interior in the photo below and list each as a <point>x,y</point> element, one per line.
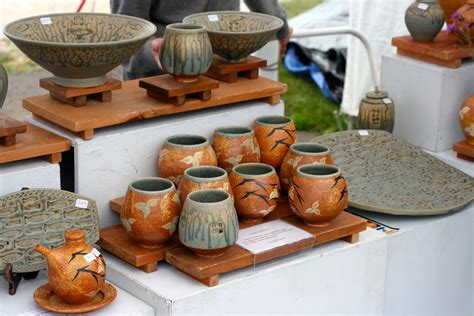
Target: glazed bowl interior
<point>151,185</point>
<point>234,130</point>
<point>321,170</point>
<point>185,27</point>
<point>234,35</point>
<point>208,196</point>
<point>206,172</point>
<point>273,120</point>
<point>309,148</point>
<point>253,169</point>
<point>187,140</point>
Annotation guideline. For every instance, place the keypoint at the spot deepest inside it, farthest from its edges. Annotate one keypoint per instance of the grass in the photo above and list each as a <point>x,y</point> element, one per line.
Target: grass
<point>13,59</point>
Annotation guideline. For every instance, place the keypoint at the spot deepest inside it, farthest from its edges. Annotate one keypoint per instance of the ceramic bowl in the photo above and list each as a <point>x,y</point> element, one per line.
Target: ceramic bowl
<point>79,48</point>
<point>234,35</point>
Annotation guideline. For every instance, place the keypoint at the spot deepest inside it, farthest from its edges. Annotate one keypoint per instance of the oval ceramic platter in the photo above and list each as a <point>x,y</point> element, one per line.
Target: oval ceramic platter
<point>40,216</point>
<point>386,174</point>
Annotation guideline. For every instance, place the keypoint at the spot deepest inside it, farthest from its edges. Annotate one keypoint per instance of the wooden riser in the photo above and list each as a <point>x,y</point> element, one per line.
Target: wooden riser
<point>9,128</point>
<point>464,150</point>
<point>230,72</point>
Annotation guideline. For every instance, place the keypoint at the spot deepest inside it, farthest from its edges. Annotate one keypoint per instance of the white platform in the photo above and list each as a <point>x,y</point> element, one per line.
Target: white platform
<point>427,100</point>
<point>22,302</point>
<point>30,173</point>
<point>117,155</point>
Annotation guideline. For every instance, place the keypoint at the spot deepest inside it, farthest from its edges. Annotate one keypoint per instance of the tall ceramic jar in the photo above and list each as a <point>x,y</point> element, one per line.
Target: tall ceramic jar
<point>186,51</point>
<point>183,151</point>
<point>424,20</point>
<point>256,190</point>
<point>302,154</point>
<point>377,111</point>
<point>235,145</point>
<point>150,211</point>
<point>466,118</point>
<point>275,135</point>
<point>318,194</point>
<point>203,177</point>
<point>208,224</point>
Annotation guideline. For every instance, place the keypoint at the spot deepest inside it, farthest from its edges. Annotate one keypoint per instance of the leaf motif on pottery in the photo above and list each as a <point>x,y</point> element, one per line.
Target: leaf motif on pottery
<point>171,226</point>
<point>165,204</point>
<point>470,130</point>
<point>291,193</point>
<point>163,153</point>
<point>193,160</point>
<point>257,151</point>
<point>294,162</point>
<point>314,209</point>
<point>235,160</point>
<point>275,194</point>
<point>463,111</point>
<point>249,143</point>
<point>145,207</point>
<point>226,186</point>
<point>176,197</point>
<point>127,223</point>
<point>264,212</point>
<point>175,180</point>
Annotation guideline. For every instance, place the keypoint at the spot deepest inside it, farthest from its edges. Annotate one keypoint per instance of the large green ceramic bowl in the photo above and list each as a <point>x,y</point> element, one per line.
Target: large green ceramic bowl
<point>234,35</point>
<point>79,48</point>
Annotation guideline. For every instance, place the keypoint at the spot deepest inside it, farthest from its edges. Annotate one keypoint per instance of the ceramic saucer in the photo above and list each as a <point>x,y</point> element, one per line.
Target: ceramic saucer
<point>45,297</point>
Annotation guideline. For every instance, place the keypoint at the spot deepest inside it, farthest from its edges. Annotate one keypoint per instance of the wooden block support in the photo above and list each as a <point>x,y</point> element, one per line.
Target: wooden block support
<point>229,72</point>
<point>464,150</point>
<point>78,96</point>
<point>9,128</point>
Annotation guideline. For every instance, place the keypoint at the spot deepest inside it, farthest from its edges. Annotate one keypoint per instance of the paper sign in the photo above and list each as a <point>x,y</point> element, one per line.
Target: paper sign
<point>423,6</point>
<point>363,133</point>
<point>387,101</point>
<point>96,252</point>
<point>267,236</point>
<point>82,203</point>
<point>46,21</point>
<point>213,18</point>
<point>89,257</point>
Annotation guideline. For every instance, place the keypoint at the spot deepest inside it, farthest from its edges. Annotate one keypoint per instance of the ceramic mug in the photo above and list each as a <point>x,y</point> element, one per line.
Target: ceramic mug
<point>235,145</point>
<point>301,154</point>
<point>183,151</point>
<point>203,177</point>
<point>275,135</point>
<point>150,211</point>
<point>318,194</point>
<point>209,223</point>
<point>256,190</point>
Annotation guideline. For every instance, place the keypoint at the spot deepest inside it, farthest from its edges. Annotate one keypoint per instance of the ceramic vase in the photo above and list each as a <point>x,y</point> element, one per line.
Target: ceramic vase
<point>181,152</point>
<point>275,135</point>
<point>235,145</point>
<point>3,85</point>
<point>377,111</point>
<point>424,20</point>
<point>302,154</point>
<point>318,194</point>
<point>150,211</point>
<point>467,12</point>
<point>450,6</point>
<point>466,118</point>
<point>256,190</point>
<point>203,177</point>
<point>209,223</point>
<point>186,51</point>
<point>75,271</point>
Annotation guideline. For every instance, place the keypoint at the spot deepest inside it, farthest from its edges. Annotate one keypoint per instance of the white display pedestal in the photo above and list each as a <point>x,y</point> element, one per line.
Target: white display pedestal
<point>22,302</point>
<point>106,164</point>
<point>450,157</point>
<point>30,173</point>
<point>427,100</point>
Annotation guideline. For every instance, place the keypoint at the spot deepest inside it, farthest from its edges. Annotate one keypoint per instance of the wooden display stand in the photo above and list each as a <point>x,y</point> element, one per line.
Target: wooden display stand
<point>131,103</point>
<point>78,96</point>
<point>229,72</point>
<point>207,270</point>
<point>165,88</point>
<point>35,142</point>
<point>9,127</point>
<point>464,150</point>
<point>444,50</point>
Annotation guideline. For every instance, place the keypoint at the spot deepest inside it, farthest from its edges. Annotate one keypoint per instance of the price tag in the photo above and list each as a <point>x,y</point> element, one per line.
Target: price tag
<point>96,252</point>
<point>423,6</point>
<point>82,203</point>
<point>46,21</point>
<point>89,257</point>
<point>213,17</point>
<point>387,101</point>
<point>363,133</point>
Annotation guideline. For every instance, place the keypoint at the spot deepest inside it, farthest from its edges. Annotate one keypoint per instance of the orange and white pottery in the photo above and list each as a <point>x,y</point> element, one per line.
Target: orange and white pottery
<point>150,211</point>
<point>466,118</point>
<point>318,194</point>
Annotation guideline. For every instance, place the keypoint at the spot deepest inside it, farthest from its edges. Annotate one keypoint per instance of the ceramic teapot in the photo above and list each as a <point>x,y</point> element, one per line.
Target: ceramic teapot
<point>76,271</point>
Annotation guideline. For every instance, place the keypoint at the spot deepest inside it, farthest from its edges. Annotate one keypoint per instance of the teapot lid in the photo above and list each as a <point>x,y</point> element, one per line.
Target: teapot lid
<point>74,235</point>
<point>377,94</point>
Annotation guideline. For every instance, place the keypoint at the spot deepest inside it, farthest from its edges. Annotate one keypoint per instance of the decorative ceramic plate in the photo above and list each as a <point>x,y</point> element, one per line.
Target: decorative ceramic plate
<point>41,216</point>
<point>388,175</point>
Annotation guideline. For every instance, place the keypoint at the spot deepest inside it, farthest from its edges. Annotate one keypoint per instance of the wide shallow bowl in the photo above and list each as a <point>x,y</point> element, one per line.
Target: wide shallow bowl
<point>79,48</point>
<point>234,35</point>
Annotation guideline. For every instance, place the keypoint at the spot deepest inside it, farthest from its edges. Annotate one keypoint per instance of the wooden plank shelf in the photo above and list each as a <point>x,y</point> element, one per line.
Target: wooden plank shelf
<point>464,150</point>
<point>132,103</point>
<point>230,72</point>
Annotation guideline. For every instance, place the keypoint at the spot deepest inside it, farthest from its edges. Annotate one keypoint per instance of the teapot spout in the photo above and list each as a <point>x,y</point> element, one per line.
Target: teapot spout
<point>42,250</point>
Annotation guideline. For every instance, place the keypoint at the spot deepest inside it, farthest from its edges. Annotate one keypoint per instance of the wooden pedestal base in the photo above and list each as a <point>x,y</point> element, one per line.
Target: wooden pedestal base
<point>165,88</point>
<point>229,72</point>
<point>79,96</point>
<point>464,150</point>
<point>206,270</point>
<point>444,50</point>
<point>9,127</point>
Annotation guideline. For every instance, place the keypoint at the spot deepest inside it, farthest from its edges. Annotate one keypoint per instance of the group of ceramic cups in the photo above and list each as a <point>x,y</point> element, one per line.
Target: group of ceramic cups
<point>204,187</point>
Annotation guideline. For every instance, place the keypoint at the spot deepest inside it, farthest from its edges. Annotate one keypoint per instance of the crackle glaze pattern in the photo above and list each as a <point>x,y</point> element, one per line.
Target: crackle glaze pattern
<point>466,118</point>
<point>40,216</point>
<point>235,35</point>
<point>424,24</point>
<point>388,175</point>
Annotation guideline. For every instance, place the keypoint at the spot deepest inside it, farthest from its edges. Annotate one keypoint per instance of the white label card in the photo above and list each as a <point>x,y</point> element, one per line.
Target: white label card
<point>46,21</point>
<point>387,101</point>
<point>89,257</point>
<point>213,17</point>
<point>96,252</point>
<point>270,235</point>
<point>363,133</point>
<point>423,6</point>
<point>82,203</point>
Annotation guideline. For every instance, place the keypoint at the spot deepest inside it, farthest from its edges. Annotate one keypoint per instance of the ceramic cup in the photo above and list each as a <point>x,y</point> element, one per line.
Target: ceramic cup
<point>183,151</point>
<point>150,211</point>
<point>235,145</point>
<point>318,194</point>
<point>186,51</point>
<point>302,154</point>
<point>275,135</point>
<point>424,20</point>
<point>203,177</point>
<point>466,118</point>
<point>256,190</point>
<point>209,223</point>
